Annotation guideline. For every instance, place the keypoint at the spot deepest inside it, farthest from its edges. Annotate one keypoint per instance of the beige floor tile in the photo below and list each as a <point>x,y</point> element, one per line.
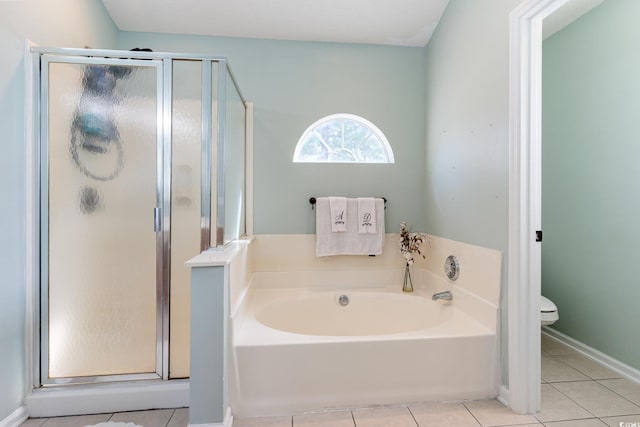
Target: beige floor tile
<point>76,421</point>
<point>554,370</point>
<point>555,406</point>
<point>263,422</point>
<point>34,422</point>
<point>624,421</point>
<point>597,399</point>
<point>324,419</point>
<point>493,413</point>
<point>180,418</point>
<point>624,388</point>
<point>524,425</point>
<point>591,422</point>
<point>392,416</point>
<point>443,414</point>
<point>152,418</point>
<point>588,367</point>
<point>552,347</point>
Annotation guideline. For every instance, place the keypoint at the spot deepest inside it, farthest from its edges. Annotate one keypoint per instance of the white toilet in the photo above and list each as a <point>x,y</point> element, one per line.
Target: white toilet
<point>548,312</point>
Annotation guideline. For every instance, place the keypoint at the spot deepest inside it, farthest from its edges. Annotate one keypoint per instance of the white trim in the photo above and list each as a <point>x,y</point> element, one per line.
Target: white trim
<point>344,116</point>
<point>249,168</point>
<point>525,115</point>
<point>15,418</point>
<point>227,422</point>
<point>228,418</point>
<point>567,15</point>
<point>105,398</point>
<point>30,204</point>
<point>503,396</point>
<point>607,361</point>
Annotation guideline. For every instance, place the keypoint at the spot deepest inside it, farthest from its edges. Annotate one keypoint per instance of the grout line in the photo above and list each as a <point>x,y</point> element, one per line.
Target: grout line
<point>413,416</point>
<point>353,418</point>
<point>586,380</point>
<point>170,418</point>
<point>589,360</point>
<point>110,416</point>
<point>573,419</point>
<point>472,414</point>
<point>594,380</point>
<point>615,392</point>
<point>557,358</point>
<point>573,400</point>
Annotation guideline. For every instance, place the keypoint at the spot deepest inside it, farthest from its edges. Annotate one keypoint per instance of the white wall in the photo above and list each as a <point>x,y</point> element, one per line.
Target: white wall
<point>64,23</point>
<point>467,76</point>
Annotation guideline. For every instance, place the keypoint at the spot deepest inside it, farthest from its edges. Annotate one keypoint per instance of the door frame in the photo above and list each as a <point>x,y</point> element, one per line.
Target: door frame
<point>525,201</point>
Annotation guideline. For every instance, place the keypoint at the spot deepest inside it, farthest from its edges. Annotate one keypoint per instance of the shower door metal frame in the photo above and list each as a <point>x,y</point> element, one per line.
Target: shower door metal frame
<point>206,152</point>
<point>221,156</point>
<point>163,199</point>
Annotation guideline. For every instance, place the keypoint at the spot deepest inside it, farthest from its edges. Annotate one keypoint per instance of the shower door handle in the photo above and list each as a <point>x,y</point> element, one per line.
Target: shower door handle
<point>156,219</point>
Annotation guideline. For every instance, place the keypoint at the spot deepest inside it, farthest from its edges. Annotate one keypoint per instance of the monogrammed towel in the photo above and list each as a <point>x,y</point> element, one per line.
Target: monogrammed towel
<point>338,208</point>
<point>367,215</point>
<point>349,242</point>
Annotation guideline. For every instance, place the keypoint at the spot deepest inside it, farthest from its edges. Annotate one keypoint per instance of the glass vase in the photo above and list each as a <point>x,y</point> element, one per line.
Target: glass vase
<point>407,284</point>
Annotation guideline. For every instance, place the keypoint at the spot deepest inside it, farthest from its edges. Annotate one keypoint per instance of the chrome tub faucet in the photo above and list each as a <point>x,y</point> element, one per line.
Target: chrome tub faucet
<point>446,295</point>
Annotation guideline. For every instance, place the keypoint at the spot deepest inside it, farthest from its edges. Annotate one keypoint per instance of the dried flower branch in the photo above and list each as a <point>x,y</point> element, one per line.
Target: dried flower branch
<point>410,243</point>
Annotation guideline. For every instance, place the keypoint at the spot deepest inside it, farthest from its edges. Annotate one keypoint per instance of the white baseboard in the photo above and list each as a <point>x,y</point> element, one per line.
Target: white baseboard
<point>15,418</point>
<point>105,398</point>
<point>615,365</point>
<point>503,396</point>
<point>228,421</point>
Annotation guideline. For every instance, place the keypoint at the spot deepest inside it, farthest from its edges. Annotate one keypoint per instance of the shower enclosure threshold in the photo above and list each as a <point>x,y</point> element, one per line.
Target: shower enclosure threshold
<point>107,397</point>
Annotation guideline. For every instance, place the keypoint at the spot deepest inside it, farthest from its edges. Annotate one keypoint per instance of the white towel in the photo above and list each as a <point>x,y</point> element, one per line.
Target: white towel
<point>350,242</point>
<point>338,207</point>
<point>367,215</point>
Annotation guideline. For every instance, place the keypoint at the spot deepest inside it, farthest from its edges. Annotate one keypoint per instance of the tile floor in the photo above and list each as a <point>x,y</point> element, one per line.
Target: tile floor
<point>576,392</point>
<point>153,418</point>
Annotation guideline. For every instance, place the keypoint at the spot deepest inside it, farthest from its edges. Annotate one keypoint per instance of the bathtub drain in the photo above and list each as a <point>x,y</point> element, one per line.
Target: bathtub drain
<point>343,300</point>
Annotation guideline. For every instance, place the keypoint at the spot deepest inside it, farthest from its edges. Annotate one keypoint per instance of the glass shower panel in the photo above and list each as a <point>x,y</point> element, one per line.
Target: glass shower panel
<point>213,166</point>
<point>186,169</point>
<point>100,192</point>
<point>234,173</point>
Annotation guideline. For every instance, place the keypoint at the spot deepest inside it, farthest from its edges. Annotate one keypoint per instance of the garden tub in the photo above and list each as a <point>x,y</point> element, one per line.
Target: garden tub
<point>301,349</point>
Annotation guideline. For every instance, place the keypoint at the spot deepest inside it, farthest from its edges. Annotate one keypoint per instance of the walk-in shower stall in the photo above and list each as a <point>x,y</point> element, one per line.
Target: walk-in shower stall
<point>141,163</point>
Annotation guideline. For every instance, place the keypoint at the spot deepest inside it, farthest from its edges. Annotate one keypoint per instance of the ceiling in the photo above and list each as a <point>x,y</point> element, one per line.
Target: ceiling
<point>386,22</point>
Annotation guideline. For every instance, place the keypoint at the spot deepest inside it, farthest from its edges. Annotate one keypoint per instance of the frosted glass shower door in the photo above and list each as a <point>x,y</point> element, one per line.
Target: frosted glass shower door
<point>101,253</point>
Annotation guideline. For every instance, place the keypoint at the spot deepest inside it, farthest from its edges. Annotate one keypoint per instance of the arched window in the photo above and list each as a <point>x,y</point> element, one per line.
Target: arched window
<point>343,138</point>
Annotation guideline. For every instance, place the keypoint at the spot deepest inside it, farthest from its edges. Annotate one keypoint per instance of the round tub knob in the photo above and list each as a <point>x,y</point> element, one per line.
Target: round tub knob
<point>452,267</point>
<point>343,300</point>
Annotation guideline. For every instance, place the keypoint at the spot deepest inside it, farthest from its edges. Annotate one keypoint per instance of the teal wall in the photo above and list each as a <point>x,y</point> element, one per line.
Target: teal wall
<point>591,176</point>
<point>70,23</point>
<point>293,84</point>
<point>467,130</point>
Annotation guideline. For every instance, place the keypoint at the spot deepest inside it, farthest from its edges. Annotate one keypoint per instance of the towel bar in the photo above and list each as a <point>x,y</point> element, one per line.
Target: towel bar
<point>313,200</point>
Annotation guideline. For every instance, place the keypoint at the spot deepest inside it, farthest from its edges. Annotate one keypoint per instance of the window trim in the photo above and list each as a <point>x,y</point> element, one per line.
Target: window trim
<point>345,116</point>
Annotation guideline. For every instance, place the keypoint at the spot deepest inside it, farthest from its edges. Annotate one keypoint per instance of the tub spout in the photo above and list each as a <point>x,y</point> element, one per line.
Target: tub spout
<point>446,295</point>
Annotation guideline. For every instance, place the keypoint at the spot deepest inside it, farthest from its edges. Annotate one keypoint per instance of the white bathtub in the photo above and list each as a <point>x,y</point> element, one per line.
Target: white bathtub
<point>298,349</point>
